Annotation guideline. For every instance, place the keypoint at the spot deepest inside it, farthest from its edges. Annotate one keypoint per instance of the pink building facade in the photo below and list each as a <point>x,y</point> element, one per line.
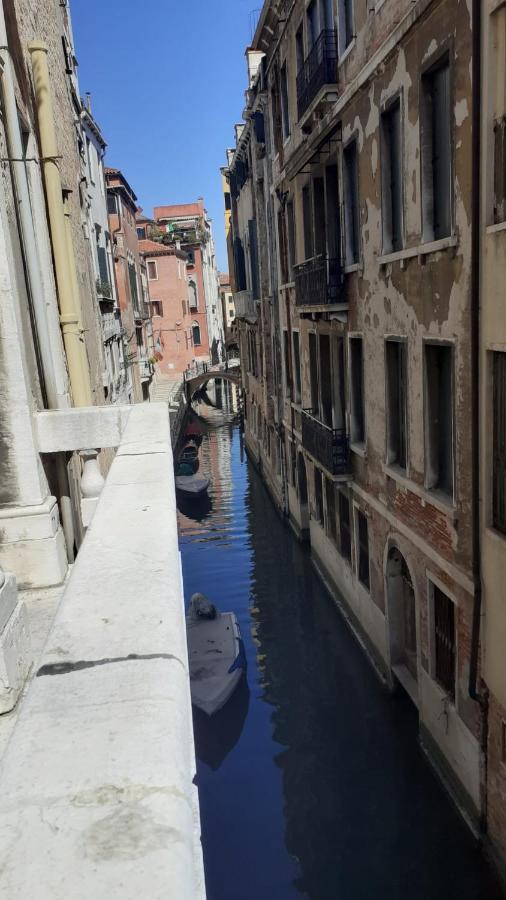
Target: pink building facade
<point>178,334</point>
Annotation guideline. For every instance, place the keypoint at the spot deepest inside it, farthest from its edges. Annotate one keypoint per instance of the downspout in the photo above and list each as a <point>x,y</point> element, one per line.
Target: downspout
<point>69,314</point>
<point>54,382</point>
<point>475,348</point>
<point>54,372</point>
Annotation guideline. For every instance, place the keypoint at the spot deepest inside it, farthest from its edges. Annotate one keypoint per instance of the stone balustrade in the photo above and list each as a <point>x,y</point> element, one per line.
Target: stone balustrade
<point>98,798</point>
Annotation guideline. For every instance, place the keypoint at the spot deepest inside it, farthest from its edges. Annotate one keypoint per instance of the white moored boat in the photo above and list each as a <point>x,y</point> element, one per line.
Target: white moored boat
<point>192,484</point>
<point>215,652</point>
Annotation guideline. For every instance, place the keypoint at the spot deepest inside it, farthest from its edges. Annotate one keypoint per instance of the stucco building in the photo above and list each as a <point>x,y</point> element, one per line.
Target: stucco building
<point>355,253</point>
<point>176,331</point>
<point>131,281</point>
<point>188,226</point>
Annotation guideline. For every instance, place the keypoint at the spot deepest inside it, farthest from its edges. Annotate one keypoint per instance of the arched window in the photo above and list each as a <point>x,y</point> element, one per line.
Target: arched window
<point>192,293</point>
<point>196,334</point>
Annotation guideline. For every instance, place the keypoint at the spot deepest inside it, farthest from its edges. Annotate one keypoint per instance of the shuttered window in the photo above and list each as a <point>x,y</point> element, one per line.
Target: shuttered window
<point>103,268</point>
<point>357,391</point>
<point>307,216</point>
<point>344,526</point>
<point>439,413</point>
<point>318,496</point>
<point>444,641</point>
<point>436,151</point>
<point>296,365</point>
<point>351,211</point>
<point>253,250</point>
<point>331,524</point>
<point>392,178</point>
<point>284,103</point>
<point>499,443</point>
<point>396,377</point>
<point>363,549</point>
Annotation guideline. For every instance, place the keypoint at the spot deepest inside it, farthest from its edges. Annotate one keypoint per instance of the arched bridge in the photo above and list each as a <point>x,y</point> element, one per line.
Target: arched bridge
<point>195,382</point>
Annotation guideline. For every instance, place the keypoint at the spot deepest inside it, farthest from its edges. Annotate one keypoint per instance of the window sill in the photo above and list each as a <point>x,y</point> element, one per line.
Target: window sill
<point>497,536</point>
<point>433,498</point>
<point>420,250</point>
<point>359,450</point>
<point>354,267</point>
<point>493,229</point>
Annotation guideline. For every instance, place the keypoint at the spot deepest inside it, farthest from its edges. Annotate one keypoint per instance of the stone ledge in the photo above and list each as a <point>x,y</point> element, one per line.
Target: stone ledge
<point>97,778</point>
<point>80,428</point>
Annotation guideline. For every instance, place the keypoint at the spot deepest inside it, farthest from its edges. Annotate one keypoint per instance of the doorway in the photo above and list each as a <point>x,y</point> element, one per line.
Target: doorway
<point>402,622</point>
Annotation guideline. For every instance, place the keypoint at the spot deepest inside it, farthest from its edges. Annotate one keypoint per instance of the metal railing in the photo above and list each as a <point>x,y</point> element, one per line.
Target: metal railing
<point>319,68</point>
<point>329,446</point>
<point>318,282</point>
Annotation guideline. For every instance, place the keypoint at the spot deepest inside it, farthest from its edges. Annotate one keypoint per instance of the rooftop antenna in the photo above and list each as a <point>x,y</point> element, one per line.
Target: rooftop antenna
<point>253,21</point>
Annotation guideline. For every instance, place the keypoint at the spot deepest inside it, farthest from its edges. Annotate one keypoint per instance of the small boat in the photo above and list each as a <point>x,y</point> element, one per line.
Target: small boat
<point>215,653</point>
<point>190,483</point>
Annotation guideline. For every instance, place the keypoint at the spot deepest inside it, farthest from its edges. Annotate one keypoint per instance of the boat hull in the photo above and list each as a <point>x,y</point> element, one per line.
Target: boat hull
<point>192,485</point>
<point>217,660</point>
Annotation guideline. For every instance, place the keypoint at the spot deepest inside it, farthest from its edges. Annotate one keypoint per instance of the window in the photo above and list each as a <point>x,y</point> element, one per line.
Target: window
<point>436,152</point>
<point>191,257</point>
<point>283,258</point>
<point>288,373</point>
<point>290,228</point>
<point>196,334</point>
<point>396,395</point>
<point>444,641</point>
<point>141,233</point>
<point>363,549</point>
<point>156,308</point>
<point>344,526</point>
<point>331,525</point>
<point>192,292</point>
<point>499,443</point>
<point>312,24</point>
<point>276,114</point>
<point>439,417</point>
<point>112,208</point>
<point>299,49</point>
<point>253,250</point>
<point>345,19</point>
<point>152,270</point>
<point>318,496</point>
<point>313,374</point>
<point>392,177</point>
<point>284,103</point>
<point>307,216</point>
<point>351,210</point>
<point>357,417</point>
<point>325,380</point>
<point>296,365</point>
<point>139,336</point>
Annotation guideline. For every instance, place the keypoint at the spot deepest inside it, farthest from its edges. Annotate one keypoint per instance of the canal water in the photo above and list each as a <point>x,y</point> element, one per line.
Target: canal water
<point>311,780</point>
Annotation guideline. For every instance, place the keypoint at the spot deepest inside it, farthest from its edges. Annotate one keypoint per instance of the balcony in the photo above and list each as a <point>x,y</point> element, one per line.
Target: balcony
<point>328,446</point>
<point>146,368</point>
<point>318,71</point>
<point>319,284</point>
<point>245,306</point>
<point>111,326</point>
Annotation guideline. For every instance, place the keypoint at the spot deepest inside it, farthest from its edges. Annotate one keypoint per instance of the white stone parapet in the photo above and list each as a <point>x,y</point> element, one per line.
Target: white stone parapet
<point>15,647</point>
<point>96,782</point>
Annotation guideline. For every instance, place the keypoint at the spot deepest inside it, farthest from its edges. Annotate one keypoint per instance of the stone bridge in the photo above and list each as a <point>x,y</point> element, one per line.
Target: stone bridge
<point>193,384</point>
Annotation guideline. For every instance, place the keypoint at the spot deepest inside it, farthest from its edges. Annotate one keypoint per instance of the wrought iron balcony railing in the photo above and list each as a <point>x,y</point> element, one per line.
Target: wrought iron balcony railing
<point>329,446</point>
<point>318,282</point>
<point>319,69</point>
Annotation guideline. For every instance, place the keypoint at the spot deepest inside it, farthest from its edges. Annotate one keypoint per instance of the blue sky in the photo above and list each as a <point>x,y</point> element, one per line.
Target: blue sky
<point>167,79</point>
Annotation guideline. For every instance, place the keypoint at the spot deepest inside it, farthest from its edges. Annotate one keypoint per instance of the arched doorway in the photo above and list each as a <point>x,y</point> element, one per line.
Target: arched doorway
<point>401,616</point>
<point>302,492</point>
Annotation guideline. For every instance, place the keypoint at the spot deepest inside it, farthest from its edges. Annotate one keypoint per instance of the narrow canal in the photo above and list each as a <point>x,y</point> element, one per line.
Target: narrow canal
<point>311,780</point>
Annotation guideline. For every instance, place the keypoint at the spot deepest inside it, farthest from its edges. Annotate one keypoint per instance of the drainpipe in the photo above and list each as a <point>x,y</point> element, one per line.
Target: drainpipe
<point>475,349</point>
<point>69,314</point>
<point>54,374</point>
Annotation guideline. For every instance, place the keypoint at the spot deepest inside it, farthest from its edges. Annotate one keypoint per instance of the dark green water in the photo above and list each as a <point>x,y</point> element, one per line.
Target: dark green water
<point>311,780</point>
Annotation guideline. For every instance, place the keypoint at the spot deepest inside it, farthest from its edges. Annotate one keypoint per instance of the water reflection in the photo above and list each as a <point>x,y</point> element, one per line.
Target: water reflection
<point>217,736</point>
<point>315,786</point>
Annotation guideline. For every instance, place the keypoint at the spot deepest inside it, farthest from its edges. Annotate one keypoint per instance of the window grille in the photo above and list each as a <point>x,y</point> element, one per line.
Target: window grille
<point>444,634</point>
